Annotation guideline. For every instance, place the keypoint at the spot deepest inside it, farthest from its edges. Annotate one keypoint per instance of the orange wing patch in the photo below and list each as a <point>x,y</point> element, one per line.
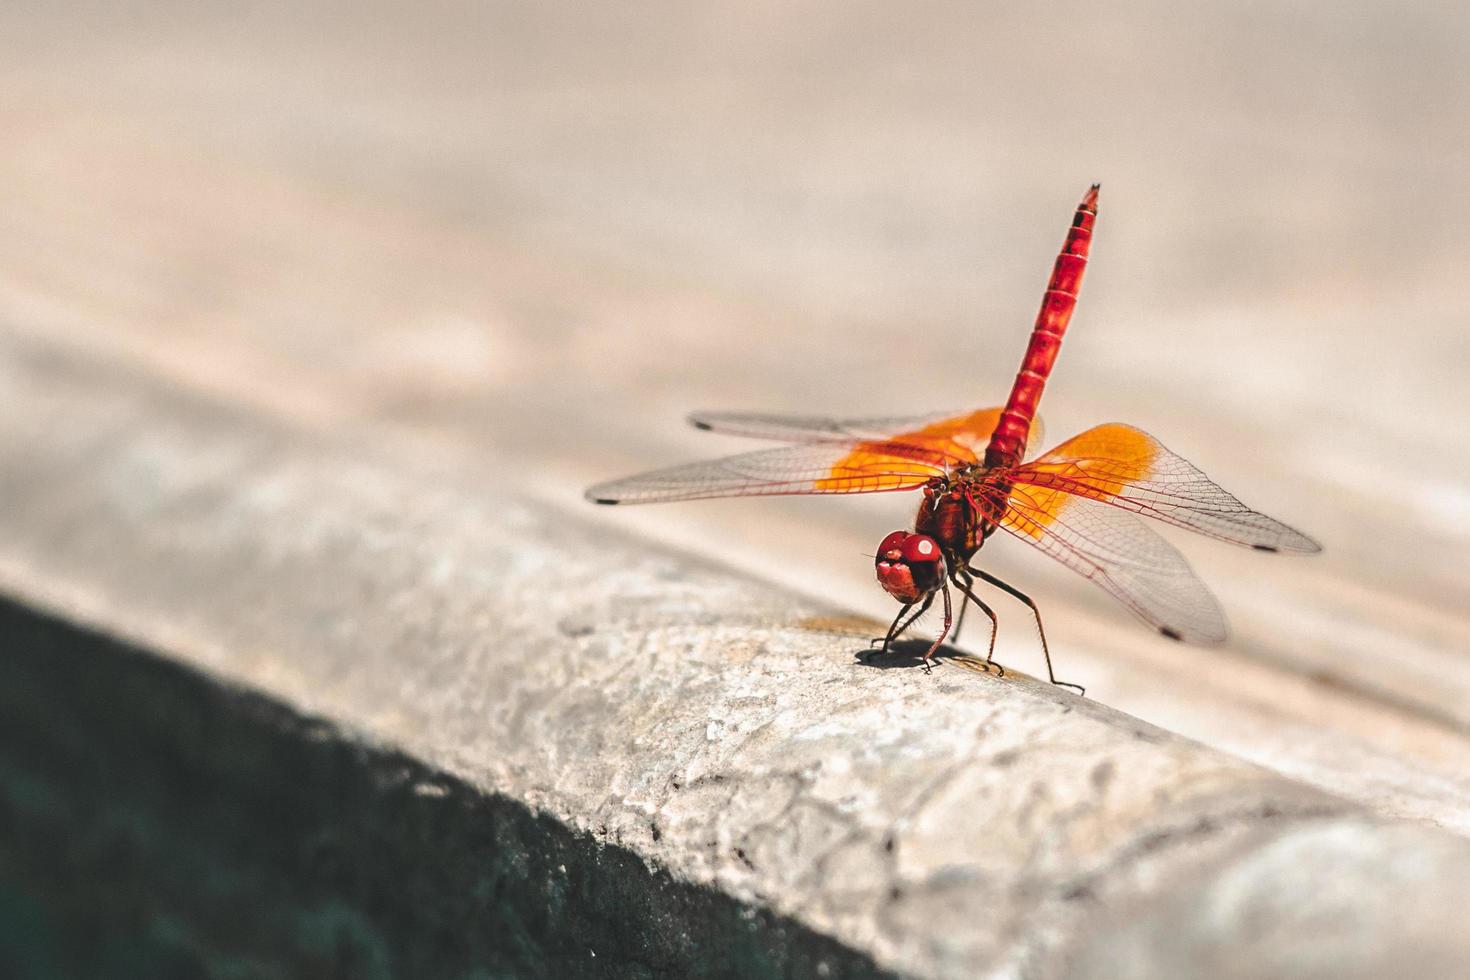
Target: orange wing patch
<point>876,470</point>
<point>947,443</point>
<point>965,434</point>
<point>1120,466</point>
<point>1100,464</point>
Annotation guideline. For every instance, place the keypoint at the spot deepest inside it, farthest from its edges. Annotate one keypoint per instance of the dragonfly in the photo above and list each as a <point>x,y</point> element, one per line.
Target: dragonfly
<point>1080,503</point>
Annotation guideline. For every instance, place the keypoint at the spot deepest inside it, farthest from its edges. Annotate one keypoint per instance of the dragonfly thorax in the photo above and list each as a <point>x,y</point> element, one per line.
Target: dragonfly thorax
<point>951,514</point>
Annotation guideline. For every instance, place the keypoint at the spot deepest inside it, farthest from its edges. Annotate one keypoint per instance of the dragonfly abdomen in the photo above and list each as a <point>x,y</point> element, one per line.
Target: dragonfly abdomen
<point>1008,442</point>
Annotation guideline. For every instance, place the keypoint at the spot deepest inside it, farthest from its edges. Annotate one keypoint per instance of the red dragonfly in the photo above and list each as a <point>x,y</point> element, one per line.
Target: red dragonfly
<point>1077,502</point>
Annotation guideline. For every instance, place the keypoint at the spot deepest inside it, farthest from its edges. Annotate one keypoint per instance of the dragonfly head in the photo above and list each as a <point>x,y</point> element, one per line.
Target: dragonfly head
<point>909,566</point>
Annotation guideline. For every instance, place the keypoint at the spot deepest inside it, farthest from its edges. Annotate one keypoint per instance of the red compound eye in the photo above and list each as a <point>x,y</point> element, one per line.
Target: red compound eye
<point>919,549</point>
<point>894,542</point>
<point>910,566</point>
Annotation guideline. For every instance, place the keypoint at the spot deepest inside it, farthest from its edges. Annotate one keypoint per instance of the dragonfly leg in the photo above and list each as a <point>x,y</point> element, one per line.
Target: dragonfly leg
<point>896,630</point>
<point>963,582</point>
<point>1041,630</point>
<point>929,654</point>
<point>956,565</point>
<point>893,629</point>
<point>959,624</point>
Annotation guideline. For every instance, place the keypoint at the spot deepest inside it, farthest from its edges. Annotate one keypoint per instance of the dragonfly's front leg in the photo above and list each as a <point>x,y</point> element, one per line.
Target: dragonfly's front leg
<point>895,631</point>
<point>929,654</point>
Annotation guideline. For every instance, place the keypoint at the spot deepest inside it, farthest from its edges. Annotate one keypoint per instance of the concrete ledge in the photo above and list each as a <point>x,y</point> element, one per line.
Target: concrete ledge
<point>158,824</point>
<point>721,733</point>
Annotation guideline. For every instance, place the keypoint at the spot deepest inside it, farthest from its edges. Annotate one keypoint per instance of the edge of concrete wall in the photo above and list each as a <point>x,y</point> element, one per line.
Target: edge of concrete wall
<point>722,733</point>
<point>158,823</point>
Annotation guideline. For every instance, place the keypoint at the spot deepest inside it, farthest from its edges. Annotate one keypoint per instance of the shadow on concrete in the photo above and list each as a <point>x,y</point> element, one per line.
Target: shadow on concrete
<point>154,823</point>
<point>910,653</point>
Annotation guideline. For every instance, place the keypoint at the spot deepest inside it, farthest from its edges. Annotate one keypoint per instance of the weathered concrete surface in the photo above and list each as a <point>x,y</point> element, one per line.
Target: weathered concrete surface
<point>944,825</point>
<point>548,234</point>
<point>156,824</point>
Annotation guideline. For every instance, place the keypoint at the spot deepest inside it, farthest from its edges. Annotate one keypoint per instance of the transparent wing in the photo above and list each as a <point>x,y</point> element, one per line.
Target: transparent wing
<point>1122,555</point>
<point>1129,469</point>
<point>966,434</point>
<point>811,428</point>
<point>840,468</point>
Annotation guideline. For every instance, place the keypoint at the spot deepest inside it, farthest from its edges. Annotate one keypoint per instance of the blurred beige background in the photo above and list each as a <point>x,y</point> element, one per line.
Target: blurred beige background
<point>539,235</point>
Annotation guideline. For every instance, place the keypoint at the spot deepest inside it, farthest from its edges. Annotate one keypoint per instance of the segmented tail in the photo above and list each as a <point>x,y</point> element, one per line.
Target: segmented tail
<point>1008,442</point>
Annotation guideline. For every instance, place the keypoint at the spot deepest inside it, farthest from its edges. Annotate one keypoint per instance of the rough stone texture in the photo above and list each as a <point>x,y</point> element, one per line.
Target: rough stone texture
<point>156,824</point>
<point>1363,878</point>
<point>727,734</point>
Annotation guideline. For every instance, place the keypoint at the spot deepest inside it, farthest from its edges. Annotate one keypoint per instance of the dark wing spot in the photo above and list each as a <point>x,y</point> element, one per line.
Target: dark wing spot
<point>1172,634</point>
<point>701,425</point>
<point>1265,547</point>
<point>603,500</point>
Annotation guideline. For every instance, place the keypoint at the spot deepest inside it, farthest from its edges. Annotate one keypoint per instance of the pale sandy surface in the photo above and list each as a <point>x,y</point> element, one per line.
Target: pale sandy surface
<point>542,237</point>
